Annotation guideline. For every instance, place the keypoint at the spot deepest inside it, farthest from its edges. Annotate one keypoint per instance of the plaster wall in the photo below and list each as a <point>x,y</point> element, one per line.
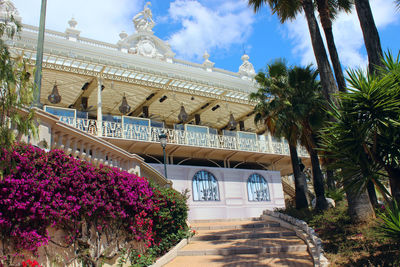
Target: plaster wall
<point>232,184</point>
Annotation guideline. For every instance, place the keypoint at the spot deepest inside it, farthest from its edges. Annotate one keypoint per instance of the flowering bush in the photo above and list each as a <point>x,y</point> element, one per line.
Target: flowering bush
<point>39,190</point>
<point>169,225</point>
<point>29,263</point>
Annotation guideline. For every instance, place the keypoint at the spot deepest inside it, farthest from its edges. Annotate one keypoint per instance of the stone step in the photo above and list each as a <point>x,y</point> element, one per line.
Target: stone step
<point>254,219</point>
<point>243,250</point>
<point>246,242</point>
<point>237,234</point>
<point>243,246</point>
<point>233,225</point>
<point>300,259</point>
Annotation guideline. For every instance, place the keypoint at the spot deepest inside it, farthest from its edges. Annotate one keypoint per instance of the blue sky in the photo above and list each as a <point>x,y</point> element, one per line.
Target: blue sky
<point>223,28</point>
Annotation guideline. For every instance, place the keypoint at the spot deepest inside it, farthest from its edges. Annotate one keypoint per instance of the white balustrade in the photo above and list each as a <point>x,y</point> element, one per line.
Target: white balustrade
<point>179,137</point>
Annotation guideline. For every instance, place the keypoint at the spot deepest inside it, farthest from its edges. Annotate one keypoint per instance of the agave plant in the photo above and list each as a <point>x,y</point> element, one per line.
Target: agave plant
<point>391,221</point>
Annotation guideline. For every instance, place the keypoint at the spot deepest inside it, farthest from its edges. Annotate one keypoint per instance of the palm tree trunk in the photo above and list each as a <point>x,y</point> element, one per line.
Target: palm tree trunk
<point>318,181</point>
<point>394,179</point>
<point>370,33</point>
<point>372,193</point>
<point>327,80</point>
<point>360,208</point>
<point>300,182</point>
<point>330,179</point>
<point>326,23</point>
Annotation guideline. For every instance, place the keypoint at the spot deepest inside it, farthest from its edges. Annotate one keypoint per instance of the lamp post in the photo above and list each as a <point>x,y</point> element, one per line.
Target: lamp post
<point>163,142</point>
<point>39,56</point>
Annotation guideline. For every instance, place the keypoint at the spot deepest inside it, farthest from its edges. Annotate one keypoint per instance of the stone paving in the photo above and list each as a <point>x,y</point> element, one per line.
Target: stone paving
<point>242,243</point>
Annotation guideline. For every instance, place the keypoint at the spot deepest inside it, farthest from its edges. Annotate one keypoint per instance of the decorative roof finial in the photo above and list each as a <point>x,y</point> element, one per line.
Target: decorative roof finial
<point>208,65</point>
<point>123,35</point>
<point>72,23</point>
<point>71,31</point>
<point>246,70</point>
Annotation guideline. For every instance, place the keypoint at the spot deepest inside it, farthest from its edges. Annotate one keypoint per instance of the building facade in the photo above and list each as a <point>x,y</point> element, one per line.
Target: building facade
<point>115,100</point>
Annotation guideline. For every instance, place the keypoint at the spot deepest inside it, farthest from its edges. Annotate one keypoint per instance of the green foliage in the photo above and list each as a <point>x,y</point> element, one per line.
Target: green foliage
<point>290,102</point>
<point>337,194</point>
<point>348,244</point>
<point>391,221</point>
<point>16,90</point>
<point>172,214</point>
<point>364,137</point>
<point>169,225</point>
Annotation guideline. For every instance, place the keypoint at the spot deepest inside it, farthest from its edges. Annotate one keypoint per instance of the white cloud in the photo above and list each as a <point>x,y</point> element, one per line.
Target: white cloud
<point>98,19</point>
<point>347,34</point>
<point>209,28</point>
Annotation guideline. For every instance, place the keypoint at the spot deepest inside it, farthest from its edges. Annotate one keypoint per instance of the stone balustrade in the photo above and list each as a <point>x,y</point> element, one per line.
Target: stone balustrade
<point>55,134</point>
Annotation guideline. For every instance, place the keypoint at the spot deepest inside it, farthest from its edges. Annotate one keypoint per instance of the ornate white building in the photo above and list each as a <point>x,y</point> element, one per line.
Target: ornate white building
<point>109,103</point>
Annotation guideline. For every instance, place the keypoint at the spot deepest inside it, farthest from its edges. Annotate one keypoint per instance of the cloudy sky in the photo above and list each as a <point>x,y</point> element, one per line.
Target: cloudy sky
<point>224,28</point>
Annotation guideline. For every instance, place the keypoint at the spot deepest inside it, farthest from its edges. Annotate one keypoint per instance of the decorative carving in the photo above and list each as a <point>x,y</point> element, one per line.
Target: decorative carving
<point>246,70</point>
<point>143,42</point>
<point>146,47</point>
<point>7,9</point>
<point>143,21</point>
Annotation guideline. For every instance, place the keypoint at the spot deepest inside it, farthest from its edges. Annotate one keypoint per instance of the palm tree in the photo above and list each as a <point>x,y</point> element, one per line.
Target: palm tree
<point>295,111</point>
<point>370,33</point>
<point>364,139</point>
<point>271,110</point>
<point>287,10</point>
<point>327,10</point>
<point>308,104</point>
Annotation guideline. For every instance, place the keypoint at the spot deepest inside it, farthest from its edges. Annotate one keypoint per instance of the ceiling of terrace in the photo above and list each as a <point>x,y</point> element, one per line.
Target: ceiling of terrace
<point>78,78</point>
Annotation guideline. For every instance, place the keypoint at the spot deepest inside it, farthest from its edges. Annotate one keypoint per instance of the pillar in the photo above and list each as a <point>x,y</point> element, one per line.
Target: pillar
<point>99,108</point>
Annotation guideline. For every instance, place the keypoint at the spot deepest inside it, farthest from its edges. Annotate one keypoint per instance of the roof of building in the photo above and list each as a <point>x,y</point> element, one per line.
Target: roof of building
<point>140,66</point>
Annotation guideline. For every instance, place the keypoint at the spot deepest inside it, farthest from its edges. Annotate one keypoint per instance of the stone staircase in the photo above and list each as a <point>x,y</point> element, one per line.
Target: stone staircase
<point>249,242</point>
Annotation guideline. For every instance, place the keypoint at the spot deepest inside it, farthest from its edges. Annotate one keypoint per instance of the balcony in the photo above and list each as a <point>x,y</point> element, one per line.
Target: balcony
<point>191,135</point>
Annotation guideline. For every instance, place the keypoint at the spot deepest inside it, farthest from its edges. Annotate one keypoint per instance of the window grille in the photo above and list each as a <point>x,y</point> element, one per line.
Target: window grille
<point>257,188</point>
<point>205,187</point>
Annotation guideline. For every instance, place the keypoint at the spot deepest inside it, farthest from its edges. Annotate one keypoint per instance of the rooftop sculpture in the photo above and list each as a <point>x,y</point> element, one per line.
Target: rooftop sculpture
<point>143,21</point>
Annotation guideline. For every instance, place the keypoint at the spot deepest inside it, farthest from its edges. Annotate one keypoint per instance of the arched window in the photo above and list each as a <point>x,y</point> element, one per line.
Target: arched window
<point>205,187</point>
<point>257,188</point>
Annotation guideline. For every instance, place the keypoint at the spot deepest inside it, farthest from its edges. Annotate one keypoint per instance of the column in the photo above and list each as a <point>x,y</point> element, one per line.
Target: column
<point>270,147</point>
<point>99,108</point>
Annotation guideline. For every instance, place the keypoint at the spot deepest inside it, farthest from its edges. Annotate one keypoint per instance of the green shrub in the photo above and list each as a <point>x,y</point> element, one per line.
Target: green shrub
<point>336,194</point>
<point>169,225</point>
<point>391,221</point>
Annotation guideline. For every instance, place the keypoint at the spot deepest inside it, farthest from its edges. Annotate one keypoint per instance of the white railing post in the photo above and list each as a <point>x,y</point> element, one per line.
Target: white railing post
<point>99,108</point>
<point>270,147</point>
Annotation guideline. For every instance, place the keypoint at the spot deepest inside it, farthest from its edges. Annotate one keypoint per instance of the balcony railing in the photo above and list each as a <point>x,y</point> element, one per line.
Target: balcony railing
<point>151,134</point>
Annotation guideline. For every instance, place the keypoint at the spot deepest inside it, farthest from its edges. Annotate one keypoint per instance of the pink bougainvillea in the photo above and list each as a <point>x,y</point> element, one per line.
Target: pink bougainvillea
<point>40,190</point>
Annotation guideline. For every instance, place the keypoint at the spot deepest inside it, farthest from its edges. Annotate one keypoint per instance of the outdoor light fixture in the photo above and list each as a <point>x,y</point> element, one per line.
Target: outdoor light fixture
<point>54,97</point>
<point>183,116</point>
<point>232,123</point>
<point>150,96</point>
<point>163,142</point>
<point>162,99</point>
<point>205,105</point>
<point>85,86</point>
<point>124,108</point>
<point>214,108</point>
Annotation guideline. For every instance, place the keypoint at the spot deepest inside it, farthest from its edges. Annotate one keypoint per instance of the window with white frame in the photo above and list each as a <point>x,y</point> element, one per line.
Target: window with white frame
<point>205,187</point>
<point>257,188</point>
